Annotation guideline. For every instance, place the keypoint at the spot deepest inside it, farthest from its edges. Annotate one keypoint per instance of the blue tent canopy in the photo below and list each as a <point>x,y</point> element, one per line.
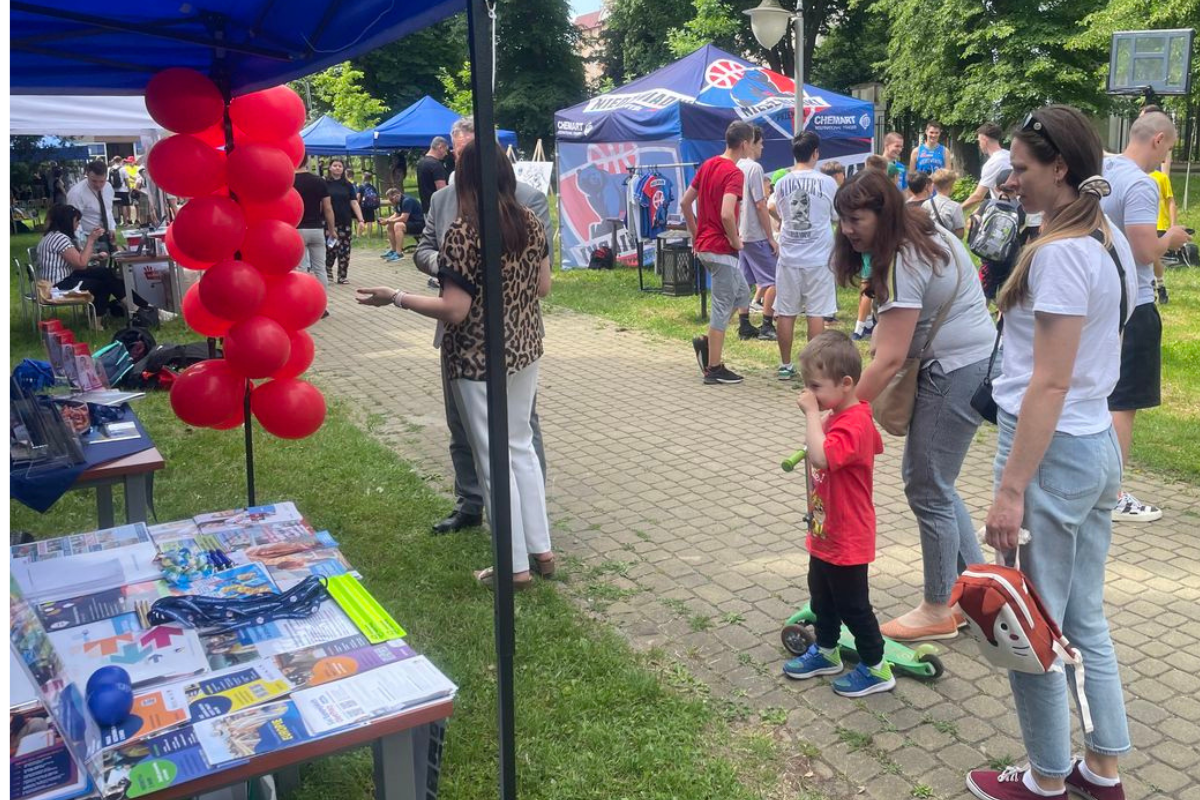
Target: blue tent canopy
<point>326,137</point>
<point>415,126</point>
<point>79,47</point>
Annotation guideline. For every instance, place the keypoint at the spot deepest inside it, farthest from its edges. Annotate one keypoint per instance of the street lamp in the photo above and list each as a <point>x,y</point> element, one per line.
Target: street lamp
<point>769,22</point>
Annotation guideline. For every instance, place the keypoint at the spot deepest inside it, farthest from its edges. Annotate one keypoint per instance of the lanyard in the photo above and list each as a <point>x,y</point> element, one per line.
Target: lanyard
<point>221,615</point>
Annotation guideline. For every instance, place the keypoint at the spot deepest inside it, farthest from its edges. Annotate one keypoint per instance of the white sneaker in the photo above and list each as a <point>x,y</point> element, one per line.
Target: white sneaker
<point>166,316</point>
<point>756,307</point>
<point>1130,509</point>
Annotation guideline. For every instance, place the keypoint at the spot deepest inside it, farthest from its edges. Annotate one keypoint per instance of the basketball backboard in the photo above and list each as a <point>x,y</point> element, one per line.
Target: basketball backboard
<point>1158,61</point>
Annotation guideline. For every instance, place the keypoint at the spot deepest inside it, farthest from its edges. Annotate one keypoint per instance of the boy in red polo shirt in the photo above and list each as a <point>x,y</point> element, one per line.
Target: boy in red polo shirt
<point>841,535</point>
<point>713,225</point>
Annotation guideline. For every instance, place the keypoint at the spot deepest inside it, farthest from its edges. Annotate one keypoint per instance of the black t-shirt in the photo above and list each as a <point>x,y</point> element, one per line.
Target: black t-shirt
<point>312,191</point>
<point>409,205</point>
<point>340,194</point>
<point>429,172</point>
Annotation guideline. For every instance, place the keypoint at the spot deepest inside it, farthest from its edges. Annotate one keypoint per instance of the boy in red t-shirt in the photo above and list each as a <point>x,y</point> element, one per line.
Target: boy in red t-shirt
<point>718,186</point>
<point>841,535</point>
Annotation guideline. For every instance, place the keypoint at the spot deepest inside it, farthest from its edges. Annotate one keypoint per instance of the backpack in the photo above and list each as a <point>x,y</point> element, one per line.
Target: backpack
<point>136,340</point>
<point>370,197</point>
<point>115,180</point>
<point>602,258</point>
<point>994,236</point>
<point>158,368</point>
<point>115,360</point>
<point>1012,626</point>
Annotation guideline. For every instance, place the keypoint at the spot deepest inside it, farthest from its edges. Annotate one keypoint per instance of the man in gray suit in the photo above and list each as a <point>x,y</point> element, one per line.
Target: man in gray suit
<point>443,210</point>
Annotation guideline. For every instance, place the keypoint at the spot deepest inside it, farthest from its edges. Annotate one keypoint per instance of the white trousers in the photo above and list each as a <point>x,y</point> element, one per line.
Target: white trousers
<point>527,489</point>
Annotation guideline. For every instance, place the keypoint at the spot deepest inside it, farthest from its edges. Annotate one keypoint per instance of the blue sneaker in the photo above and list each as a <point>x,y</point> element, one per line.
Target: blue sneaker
<point>813,663</point>
<point>392,257</point>
<point>387,254</point>
<point>864,680</point>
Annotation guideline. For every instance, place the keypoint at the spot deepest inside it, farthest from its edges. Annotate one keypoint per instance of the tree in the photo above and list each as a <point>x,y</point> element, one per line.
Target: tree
<point>634,44</point>
<point>404,71</point>
<point>712,23</point>
<point>854,51</point>
<point>457,89</point>
<point>337,91</point>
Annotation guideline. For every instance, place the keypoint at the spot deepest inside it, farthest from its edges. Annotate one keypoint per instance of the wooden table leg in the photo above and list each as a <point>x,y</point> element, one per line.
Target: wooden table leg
<point>395,776</point>
<point>104,505</point>
<point>135,498</point>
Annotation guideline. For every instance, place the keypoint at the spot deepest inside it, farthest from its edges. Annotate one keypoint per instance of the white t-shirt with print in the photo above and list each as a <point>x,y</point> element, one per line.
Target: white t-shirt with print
<point>1134,201</point>
<point>749,226</point>
<point>1076,278</point>
<point>990,173</point>
<point>945,212</point>
<point>804,199</point>
<point>967,334</point>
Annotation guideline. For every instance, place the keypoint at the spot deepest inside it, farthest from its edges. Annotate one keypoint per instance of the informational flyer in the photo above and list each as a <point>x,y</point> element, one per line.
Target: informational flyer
<point>74,611</point>
<point>155,764</point>
<point>80,543</point>
<point>232,690</point>
<point>290,569</point>
<point>244,581</point>
<point>333,661</point>
<point>149,656</point>
<point>381,691</point>
<point>252,732</point>
<point>40,765</point>
<point>153,711</point>
<point>328,624</point>
<point>241,517</point>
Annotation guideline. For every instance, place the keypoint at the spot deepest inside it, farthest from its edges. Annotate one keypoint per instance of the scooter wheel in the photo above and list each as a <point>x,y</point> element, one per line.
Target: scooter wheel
<point>797,639</point>
<point>938,667</point>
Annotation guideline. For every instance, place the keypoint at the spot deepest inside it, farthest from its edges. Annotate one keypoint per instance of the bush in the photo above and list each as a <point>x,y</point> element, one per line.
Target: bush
<point>963,189</point>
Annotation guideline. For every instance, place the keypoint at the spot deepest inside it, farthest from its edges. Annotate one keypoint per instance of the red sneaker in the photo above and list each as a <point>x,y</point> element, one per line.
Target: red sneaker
<point>1092,791</point>
<point>988,784</point>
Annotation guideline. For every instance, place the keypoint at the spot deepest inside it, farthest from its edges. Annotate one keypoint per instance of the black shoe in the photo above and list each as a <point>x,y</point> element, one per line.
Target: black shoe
<point>457,521</point>
<point>700,345</point>
<point>746,330</point>
<point>766,331</point>
<point>831,319</point>
<point>721,374</point>
<point>1163,297</point>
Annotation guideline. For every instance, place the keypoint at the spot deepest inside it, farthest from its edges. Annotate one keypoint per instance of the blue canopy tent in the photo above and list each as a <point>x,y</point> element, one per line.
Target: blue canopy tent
<point>75,47</point>
<point>326,137</point>
<point>678,115</point>
<point>415,126</point>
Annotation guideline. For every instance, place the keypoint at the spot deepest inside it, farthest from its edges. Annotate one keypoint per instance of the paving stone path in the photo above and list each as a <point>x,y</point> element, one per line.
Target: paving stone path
<point>667,498</point>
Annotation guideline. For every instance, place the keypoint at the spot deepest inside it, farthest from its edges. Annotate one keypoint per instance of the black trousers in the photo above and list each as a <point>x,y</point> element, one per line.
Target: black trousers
<point>105,286</point>
<point>841,595</point>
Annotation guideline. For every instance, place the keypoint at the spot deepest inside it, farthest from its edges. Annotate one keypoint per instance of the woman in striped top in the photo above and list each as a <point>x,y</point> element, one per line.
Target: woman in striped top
<point>61,262</point>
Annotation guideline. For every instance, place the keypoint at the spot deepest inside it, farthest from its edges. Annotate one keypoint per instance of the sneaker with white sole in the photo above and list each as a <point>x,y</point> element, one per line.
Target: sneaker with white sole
<point>813,663</point>
<point>721,374</point>
<point>786,372</point>
<point>1089,790</point>
<point>1007,784</point>
<point>864,680</point>
<point>1130,509</point>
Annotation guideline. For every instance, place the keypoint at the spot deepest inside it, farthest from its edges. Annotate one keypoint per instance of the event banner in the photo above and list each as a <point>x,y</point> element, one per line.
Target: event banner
<point>593,191</point>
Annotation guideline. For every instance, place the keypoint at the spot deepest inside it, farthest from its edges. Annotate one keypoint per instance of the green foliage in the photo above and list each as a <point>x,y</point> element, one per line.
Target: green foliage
<point>634,44</point>
<point>712,23</point>
<point>403,72</point>
<point>457,89</point>
<point>338,92</point>
<point>854,51</point>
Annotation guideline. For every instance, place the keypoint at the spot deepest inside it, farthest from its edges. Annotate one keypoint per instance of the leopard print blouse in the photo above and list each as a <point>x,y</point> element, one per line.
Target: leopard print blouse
<point>461,263</point>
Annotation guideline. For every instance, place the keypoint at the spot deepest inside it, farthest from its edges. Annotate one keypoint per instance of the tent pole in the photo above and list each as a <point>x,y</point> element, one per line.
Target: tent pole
<point>480,42</point>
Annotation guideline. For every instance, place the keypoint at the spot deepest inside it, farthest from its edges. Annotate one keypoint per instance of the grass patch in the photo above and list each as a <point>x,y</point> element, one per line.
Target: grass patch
<point>856,739</point>
<point>593,718</point>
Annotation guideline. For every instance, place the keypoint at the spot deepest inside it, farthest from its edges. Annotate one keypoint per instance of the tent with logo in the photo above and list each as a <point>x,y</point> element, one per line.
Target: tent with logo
<point>678,115</point>
<point>325,137</point>
<point>415,126</point>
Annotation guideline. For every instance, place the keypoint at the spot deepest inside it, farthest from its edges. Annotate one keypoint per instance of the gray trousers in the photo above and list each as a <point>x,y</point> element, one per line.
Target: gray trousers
<point>468,492</point>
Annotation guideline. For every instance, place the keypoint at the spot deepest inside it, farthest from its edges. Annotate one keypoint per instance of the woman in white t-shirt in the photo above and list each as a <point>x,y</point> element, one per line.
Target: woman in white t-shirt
<point>917,270</point>
<point>1058,464</point>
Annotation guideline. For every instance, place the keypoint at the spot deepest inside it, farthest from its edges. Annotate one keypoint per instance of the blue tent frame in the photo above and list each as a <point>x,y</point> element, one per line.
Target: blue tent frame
<point>415,126</point>
<point>326,137</point>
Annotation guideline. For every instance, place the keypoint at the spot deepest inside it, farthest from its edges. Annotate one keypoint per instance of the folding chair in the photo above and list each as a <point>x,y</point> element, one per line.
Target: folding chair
<point>43,300</point>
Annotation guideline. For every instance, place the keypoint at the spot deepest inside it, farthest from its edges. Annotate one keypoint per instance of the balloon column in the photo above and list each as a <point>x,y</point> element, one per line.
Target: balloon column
<point>239,227</point>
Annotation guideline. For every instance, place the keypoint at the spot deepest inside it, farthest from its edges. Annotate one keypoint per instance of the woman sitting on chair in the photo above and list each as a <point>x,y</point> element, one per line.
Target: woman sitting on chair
<point>65,266</point>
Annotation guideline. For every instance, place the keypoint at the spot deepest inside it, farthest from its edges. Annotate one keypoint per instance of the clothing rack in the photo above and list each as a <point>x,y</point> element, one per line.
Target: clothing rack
<point>641,252</point>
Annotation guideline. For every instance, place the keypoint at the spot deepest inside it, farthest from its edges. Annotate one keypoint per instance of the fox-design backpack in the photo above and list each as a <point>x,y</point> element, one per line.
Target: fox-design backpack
<point>1012,626</point>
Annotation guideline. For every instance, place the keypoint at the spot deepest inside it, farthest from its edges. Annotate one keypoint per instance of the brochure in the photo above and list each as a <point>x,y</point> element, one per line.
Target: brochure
<point>333,661</point>
<point>167,533</point>
<point>60,614</point>
<point>225,650</point>
<point>150,656</point>
<point>381,691</point>
<point>151,765</point>
<point>40,765</point>
<point>235,689</point>
<point>251,732</point>
<point>85,563</point>
<point>153,711</point>
<point>240,517</point>
<point>91,542</point>
<point>328,624</point>
<point>293,568</point>
<point>243,581</point>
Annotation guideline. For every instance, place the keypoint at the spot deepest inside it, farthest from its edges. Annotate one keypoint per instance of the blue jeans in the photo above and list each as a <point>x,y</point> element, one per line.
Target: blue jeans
<point>941,431</point>
<point>1068,511</point>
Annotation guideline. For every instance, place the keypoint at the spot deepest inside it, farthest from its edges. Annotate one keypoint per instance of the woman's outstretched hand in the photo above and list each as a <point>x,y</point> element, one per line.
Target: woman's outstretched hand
<point>375,296</point>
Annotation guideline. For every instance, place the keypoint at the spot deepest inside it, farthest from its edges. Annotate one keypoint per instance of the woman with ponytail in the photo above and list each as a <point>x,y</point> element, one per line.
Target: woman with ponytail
<point>1058,463</point>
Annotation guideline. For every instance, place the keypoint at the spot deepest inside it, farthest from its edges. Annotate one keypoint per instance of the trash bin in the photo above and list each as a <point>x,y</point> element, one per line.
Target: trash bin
<point>677,266</point>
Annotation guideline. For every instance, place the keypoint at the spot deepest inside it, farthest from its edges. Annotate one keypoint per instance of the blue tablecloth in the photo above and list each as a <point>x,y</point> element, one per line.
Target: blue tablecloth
<point>42,490</point>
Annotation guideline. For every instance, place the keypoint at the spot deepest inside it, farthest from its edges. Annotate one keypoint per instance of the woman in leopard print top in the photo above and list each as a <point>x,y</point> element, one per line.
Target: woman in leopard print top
<point>525,278</point>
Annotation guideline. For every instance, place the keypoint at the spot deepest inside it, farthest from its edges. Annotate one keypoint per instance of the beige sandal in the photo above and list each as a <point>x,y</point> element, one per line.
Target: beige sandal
<point>543,566</point>
<point>488,578</point>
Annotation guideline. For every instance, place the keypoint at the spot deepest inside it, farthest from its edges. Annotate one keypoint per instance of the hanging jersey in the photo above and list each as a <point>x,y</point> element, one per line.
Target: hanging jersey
<point>930,160</point>
<point>804,201</point>
<point>654,194</point>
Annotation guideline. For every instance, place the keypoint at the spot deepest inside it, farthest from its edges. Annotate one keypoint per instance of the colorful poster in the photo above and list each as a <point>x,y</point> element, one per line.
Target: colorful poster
<point>150,655</point>
<point>290,569</point>
<point>39,763</point>
<point>152,765</point>
<point>79,543</point>
<point>381,691</point>
<point>252,732</point>
<point>167,534</point>
<point>247,580</point>
<point>233,690</point>
<point>153,711</point>
<point>333,661</point>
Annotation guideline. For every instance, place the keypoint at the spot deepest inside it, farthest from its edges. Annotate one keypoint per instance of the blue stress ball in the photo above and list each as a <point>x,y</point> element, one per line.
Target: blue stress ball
<point>110,695</point>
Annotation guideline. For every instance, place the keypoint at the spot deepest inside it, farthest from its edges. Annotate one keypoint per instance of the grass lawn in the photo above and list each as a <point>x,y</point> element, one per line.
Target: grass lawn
<point>1166,439</point>
<point>594,720</point>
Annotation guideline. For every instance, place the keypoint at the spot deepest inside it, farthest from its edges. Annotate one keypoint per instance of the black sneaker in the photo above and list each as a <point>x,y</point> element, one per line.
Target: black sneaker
<point>831,319</point>
<point>766,331</point>
<point>700,345</point>
<point>721,374</point>
<point>1163,297</point>
<point>746,330</point>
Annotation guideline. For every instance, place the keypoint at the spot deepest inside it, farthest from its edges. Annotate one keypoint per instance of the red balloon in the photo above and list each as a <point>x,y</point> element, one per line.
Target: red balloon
<point>232,290</point>
<point>199,318</point>
<point>288,408</point>
<point>180,257</point>
<point>301,358</point>
<point>185,166</point>
<point>259,173</point>
<point>234,421</point>
<point>207,393</point>
<point>289,209</point>
<point>214,136</point>
<point>293,146</point>
<point>295,300</point>
<point>210,228</point>
<point>273,246</point>
<point>269,115</point>
<point>257,347</point>
<point>184,100</point>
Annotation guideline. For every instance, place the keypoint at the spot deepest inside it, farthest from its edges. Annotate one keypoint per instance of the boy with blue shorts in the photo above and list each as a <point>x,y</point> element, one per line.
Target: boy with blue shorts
<point>841,530</point>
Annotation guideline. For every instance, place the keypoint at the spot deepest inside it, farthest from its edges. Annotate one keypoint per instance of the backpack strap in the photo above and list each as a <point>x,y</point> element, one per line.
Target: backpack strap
<point>1069,655</point>
<point>1112,253</point>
